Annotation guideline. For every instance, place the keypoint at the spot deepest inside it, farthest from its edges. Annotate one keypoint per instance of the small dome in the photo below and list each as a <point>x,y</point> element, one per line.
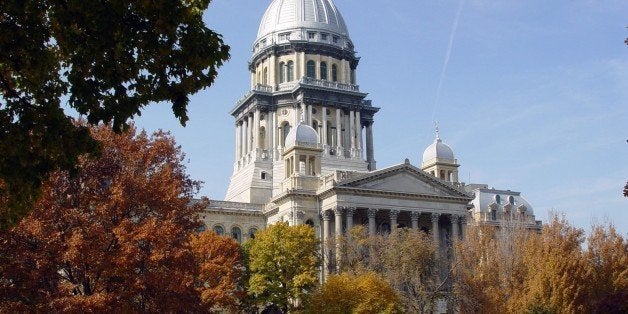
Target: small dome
<point>439,150</point>
<point>298,17</point>
<point>302,134</point>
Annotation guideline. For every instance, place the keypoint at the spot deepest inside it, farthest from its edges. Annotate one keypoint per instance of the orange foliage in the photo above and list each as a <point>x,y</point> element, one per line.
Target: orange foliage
<point>112,237</point>
<point>220,270</point>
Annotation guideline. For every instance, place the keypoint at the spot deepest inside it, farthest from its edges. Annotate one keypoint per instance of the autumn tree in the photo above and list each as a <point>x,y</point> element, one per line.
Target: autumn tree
<point>221,270</point>
<point>607,264</point>
<point>111,238</point>
<point>406,259</point>
<point>348,293</point>
<point>106,60</point>
<point>489,268</point>
<point>283,263</point>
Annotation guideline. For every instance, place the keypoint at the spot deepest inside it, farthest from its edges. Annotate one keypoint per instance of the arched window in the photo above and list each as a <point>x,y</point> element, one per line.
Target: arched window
<point>282,72</point>
<point>511,200</point>
<point>334,73</point>
<point>384,228</point>
<point>498,199</point>
<point>310,223</point>
<point>219,230</point>
<point>311,69</point>
<point>201,228</point>
<point>236,233</point>
<point>290,71</point>
<point>265,82</point>
<point>252,233</point>
<point>442,174</point>
<point>323,70</point>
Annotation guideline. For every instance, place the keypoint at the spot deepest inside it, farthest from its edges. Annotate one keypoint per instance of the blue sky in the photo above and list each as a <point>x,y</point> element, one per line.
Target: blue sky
<point>534,97</point>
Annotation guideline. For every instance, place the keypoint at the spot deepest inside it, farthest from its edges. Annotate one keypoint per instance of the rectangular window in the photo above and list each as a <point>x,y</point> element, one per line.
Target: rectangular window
<point>335,39</point>
<point>284,37</point>
<point>311,35</point>
<point>323,36</point>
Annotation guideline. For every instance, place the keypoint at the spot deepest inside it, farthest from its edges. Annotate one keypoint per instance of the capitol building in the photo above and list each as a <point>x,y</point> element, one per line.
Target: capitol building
<point>304,150</point>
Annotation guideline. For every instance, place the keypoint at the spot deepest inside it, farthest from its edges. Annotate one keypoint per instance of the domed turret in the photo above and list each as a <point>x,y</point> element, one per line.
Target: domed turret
<point>439,160</point>
<point>302,134</point>
<point>439,150</point>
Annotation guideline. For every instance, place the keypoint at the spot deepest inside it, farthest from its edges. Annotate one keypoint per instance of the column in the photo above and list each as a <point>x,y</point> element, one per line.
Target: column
<point>324,130</point>
<point>350,213</point>
<point>309,115</point>
<point>358,130</point>
<point>371,213</point>
<point>326,216</point>
<point>454,228</point>
<point>352,132</point>
<point>369,146</point>
<point>250,134</point>
<point>338,224</point>
<point>435,217</point>
<point>245,144</point>
<point>463,227</point>
<point>393,219</point>
<point>237,141</point>
<point>339,151</point>
<point>255,133</point>
<point>414,216</point>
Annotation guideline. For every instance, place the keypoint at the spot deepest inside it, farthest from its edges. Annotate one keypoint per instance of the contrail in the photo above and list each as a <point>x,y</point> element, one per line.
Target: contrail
<point>454,27</point>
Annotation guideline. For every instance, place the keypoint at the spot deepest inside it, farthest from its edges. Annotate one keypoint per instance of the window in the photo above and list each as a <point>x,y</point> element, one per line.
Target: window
<point>311,35</point>
<point>384,228</point>
<point>323,70</point>
<point>335,39</point>
<point>442,174</point>
<point>264,175</point>
<point>493,214</point>
<point>290,71</point>
<point>498,199</point>
<point>236,233</point>
<point>201,228</point>
<point>252,233</point>
<point>219,230</point>
<point>334,73</point>
<point>282,73</point>
<point>323,36</point>
<point>265,82</point>
<point>311,69</point>
<point>511,200</point>
<point>310,223</point>
<point>284,37</point>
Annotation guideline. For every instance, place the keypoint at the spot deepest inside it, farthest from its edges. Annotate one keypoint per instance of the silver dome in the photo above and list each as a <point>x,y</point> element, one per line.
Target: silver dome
<point>302,134</point>
<point>439,150</point>
<point>298,17</point>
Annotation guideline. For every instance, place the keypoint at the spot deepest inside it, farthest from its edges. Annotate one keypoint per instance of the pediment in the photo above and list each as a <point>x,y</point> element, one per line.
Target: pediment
<point>404,180</point>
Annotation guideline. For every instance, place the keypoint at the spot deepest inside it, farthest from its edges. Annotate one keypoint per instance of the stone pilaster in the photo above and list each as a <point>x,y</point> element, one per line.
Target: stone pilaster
<point>435,217</point>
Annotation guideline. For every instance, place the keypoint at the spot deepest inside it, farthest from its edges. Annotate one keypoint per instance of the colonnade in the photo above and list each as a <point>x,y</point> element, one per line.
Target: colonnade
<point>457,223</point>
<point>342,139</point>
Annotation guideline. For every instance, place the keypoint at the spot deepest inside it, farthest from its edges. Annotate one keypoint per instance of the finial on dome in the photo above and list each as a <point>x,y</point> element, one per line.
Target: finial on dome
<point>437,131</point>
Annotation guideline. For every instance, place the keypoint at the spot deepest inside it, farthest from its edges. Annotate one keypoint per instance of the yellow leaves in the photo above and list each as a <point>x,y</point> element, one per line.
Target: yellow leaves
<point>346,293</point>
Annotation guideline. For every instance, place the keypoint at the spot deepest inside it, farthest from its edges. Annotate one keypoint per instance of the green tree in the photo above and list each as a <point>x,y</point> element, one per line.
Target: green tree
<point>283,262</point>
<point>105,59</point>
<point>348,293</point>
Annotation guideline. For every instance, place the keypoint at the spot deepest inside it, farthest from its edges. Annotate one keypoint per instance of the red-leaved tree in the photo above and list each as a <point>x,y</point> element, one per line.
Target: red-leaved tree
<point>111,238</point>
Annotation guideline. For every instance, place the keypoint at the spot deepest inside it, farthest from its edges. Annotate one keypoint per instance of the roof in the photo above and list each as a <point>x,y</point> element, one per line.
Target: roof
<point>485,197</point>
<point>300,135</point>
